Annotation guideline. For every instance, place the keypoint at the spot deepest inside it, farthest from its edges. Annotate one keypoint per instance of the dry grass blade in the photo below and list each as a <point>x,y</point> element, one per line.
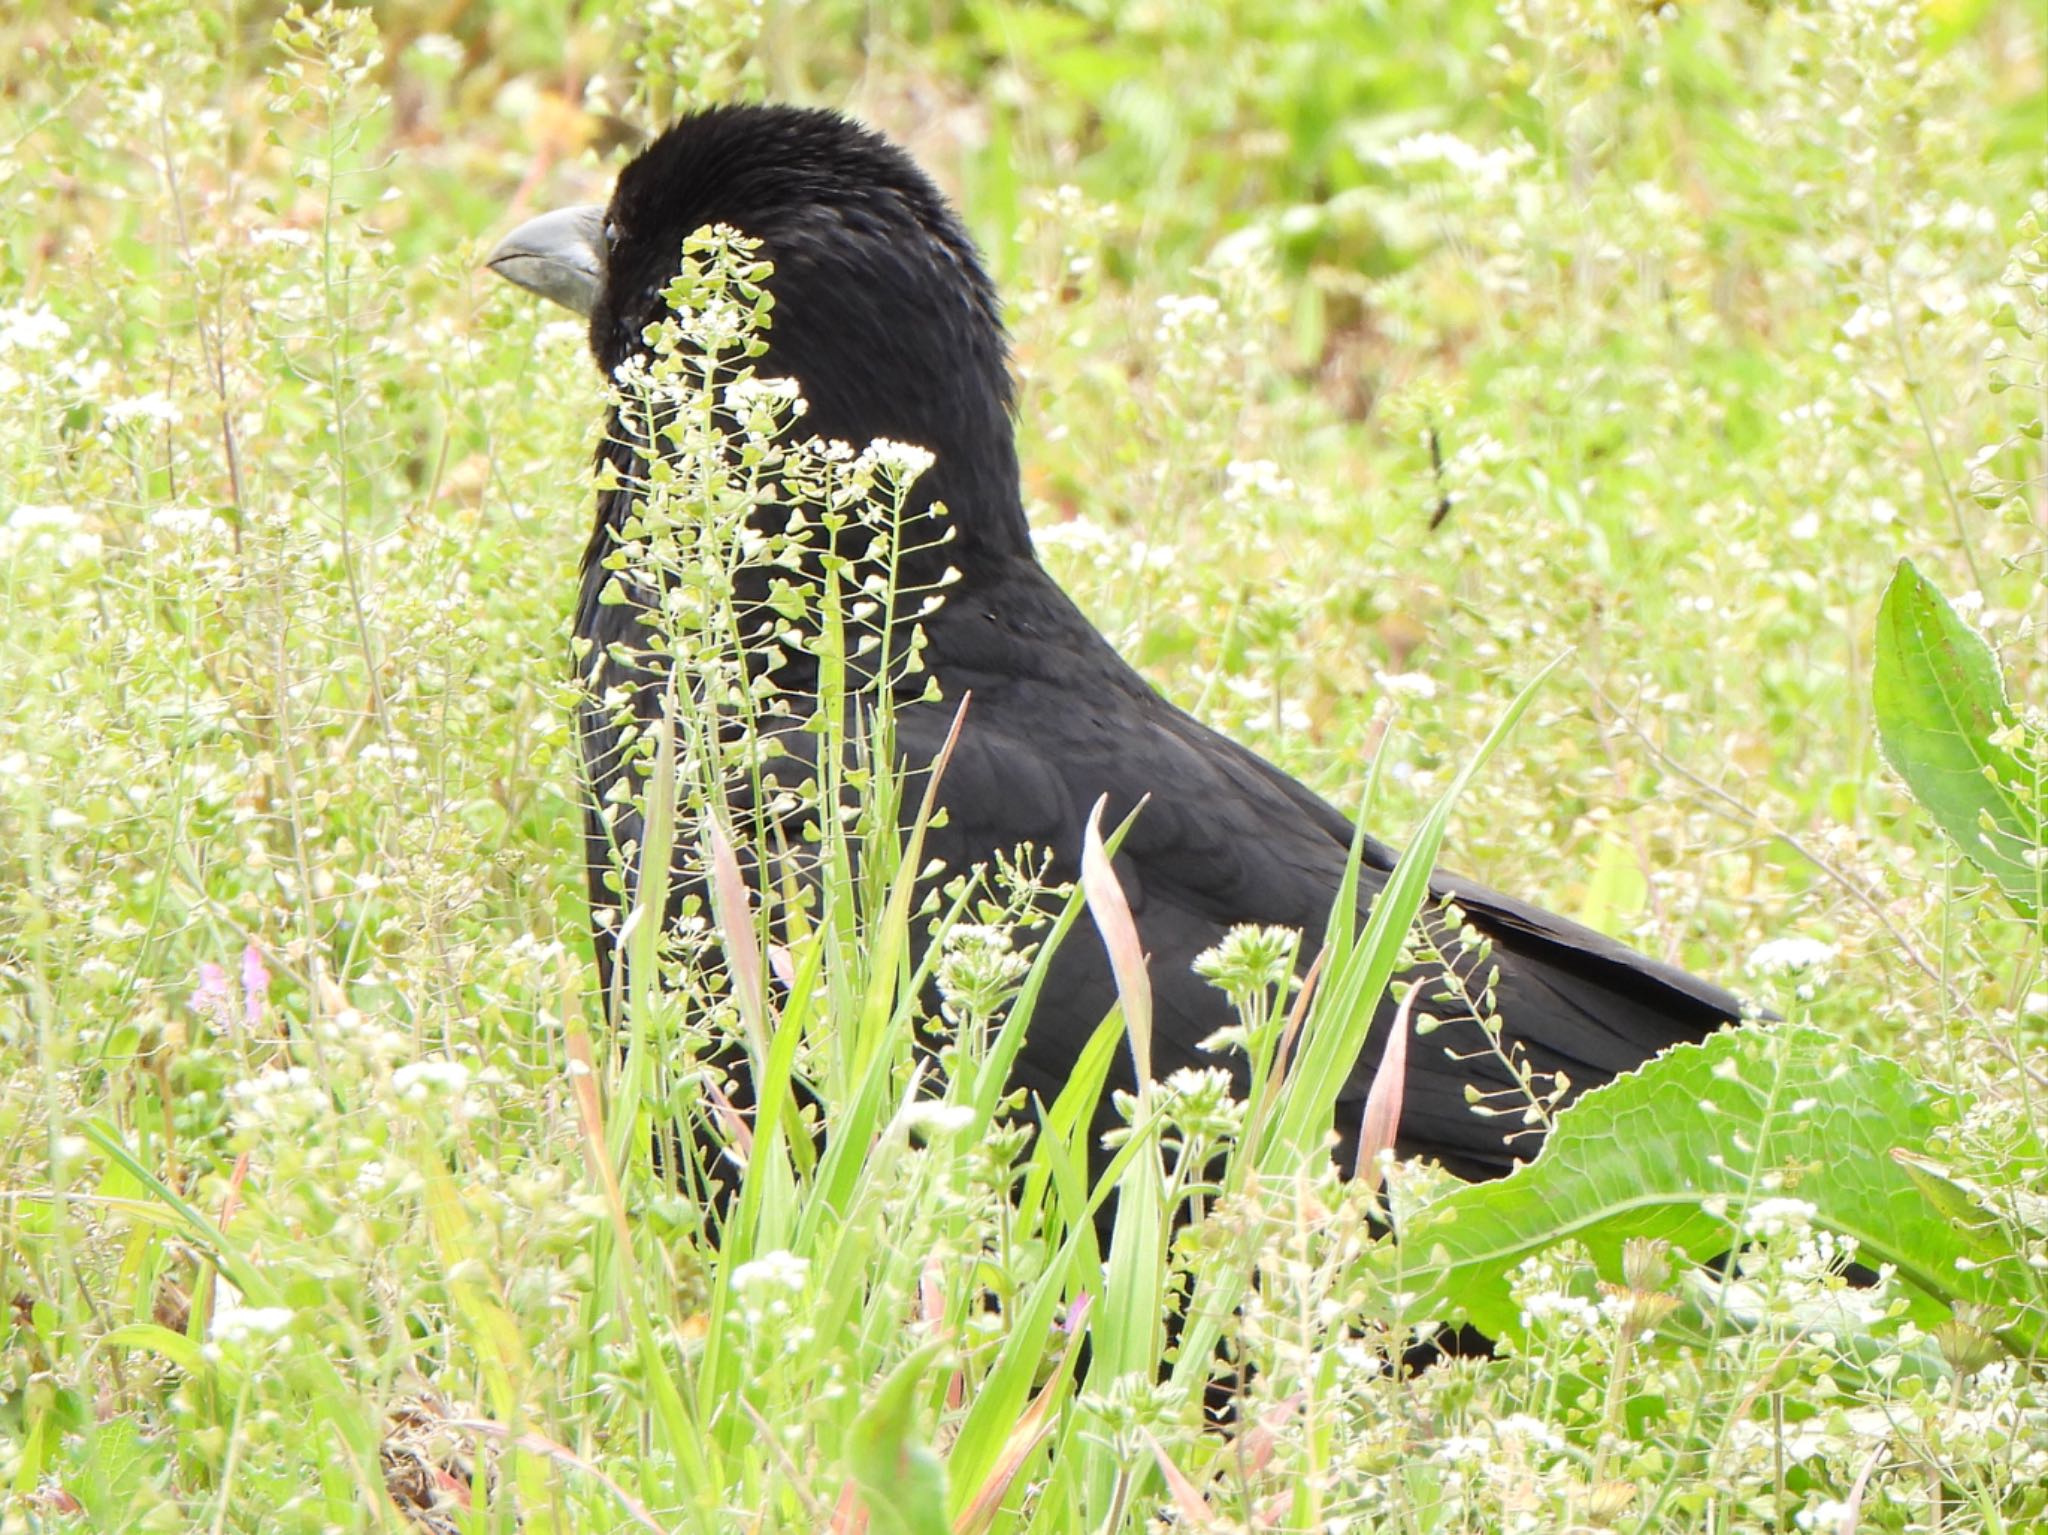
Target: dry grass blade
<point>740,1134</point>
<point>1852,1506</point>
<point>733,910</point>
<point>1112,914</point>
<point>1187,1498</point>
<point>1383,1100</point>
<point>231,1202</point>
<point>590,1115</point>
<point>1032,1426</point>
<point>931,1309</point>
<point>1256,1445</point>
<point>930,803</point>
<point>849,1514</point>
<point>1298,1014</point>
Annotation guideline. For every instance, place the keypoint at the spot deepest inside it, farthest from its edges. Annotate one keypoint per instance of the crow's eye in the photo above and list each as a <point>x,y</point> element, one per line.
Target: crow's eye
<point>611,232</point>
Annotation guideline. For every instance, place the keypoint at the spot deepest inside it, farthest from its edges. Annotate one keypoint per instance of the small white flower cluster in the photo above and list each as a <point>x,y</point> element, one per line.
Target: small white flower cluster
<point>241,1333</point>
<point>538,954</point>
<point>445,1091</point>
<point>894,463</point>
<point>763,407</point>
<point>424,1080</point>
<point>1419,686</point>
<point>1181,312</point>
<point>66,539</point>
<point>440,47</point>
<point>1255,481</point>
<point>780,1270</point>
<point>237,1323</point>
<point>286,1100</point>
<point>1202,1102</point>
<point>1803,962</point>
<point>1483,170</point>
<point>1080,533</point>
<point>1778,1216</point>
<point>1559,1313</point>
<point>1495,1465</point>
<point>769,1289</point>
<point>1249,958</point>
<point>1256,693</point>
<point>1551,1310</point>
<point>977,967</point>
<point>360,1042</point>
<point>188,522</point>
<point>24,329</point>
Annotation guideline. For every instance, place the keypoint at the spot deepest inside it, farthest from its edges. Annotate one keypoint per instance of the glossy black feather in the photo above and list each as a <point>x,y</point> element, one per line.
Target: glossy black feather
<point>885,316</point>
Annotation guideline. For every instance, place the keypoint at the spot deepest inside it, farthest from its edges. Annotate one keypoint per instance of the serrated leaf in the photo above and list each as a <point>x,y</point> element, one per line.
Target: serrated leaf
<point>1944,722</point>
<point>1679,1148</point>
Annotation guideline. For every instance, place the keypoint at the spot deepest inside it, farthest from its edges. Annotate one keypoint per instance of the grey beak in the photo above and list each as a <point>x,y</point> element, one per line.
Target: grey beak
<point>559,255</point>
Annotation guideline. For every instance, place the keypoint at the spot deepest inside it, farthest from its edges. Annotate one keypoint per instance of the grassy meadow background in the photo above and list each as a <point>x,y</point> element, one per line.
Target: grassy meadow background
<point>1697,318</point>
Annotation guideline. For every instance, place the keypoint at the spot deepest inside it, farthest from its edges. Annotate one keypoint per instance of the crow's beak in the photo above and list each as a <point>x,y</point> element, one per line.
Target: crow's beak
<point>559,255</point>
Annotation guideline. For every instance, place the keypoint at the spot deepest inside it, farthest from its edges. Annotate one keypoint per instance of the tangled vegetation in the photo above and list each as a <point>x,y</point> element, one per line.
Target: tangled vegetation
<point>1372,361</point>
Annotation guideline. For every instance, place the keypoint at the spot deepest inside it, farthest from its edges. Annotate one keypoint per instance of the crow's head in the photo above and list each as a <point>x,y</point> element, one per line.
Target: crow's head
<point>883,313</point>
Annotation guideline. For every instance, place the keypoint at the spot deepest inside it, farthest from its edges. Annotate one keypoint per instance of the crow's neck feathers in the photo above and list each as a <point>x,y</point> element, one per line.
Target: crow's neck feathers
<point>883,313</point>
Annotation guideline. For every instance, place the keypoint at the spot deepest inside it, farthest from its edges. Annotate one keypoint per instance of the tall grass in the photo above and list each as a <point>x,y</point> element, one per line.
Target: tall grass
<point>323,1185</point>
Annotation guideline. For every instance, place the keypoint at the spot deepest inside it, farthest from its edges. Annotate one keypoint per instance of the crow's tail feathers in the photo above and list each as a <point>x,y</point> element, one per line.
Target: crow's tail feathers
<point>1568,1000</point>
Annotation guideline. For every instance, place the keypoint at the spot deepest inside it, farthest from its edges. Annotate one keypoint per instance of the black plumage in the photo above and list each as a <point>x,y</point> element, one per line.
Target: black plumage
<point>885,316</point>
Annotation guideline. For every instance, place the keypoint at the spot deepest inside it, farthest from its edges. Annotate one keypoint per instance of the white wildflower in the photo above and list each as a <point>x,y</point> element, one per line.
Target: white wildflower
<point>421,1080</point>
<point>1254,479</point>
<point>236,1322</point>
<point>283,1100</point>
<point>939,1118</point>
<point>60,529</point>
<point>1777,1217</point>
<point>187,522</point>
<point>1789,956</point>
<point>1417,685</point>
<point>1485,170</point>
<point>780,1267</point>
<point>901,462</point>
<point>1179,312</point>
<point>440,47</point>
<point>154,406</point>
<point>35,329</point>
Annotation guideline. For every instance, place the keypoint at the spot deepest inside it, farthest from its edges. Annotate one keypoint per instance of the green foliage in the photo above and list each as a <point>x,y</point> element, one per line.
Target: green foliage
<point>1946,726</point>
<point>325,1187</point>
<point>1702,1149</point>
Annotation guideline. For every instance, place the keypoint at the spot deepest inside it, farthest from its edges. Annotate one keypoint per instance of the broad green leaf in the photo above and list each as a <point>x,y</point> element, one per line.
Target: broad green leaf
<point>1945,724</point>
<point>1682,1148</point>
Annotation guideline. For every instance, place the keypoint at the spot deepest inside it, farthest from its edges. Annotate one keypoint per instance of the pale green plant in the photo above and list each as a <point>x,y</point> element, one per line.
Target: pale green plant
<point>1710,315</point>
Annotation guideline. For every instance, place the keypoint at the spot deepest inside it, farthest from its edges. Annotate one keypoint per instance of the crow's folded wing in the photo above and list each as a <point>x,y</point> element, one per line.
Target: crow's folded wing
<point>1225,838</point>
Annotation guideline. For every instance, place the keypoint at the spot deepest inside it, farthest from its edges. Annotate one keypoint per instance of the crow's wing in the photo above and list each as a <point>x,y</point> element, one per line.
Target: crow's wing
<point>1057,720</point>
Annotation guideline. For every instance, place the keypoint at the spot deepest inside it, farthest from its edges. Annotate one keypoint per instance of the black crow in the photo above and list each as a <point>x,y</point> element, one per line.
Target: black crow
<point>885,316</point>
